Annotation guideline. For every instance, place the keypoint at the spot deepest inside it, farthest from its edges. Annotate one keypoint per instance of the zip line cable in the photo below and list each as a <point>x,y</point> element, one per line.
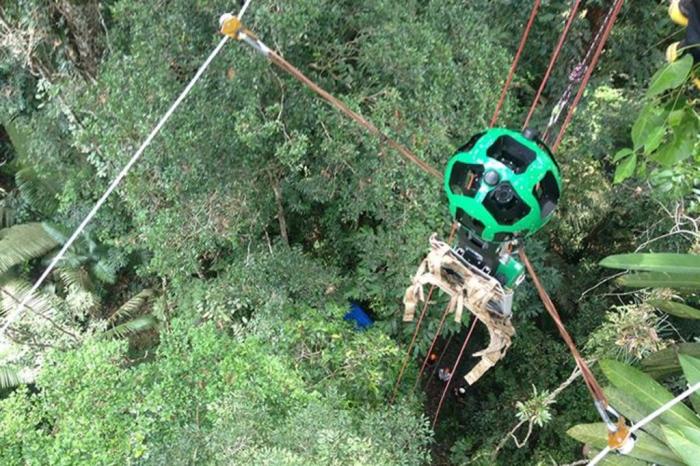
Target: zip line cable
<point>658,412</point>
<point>137,155</point>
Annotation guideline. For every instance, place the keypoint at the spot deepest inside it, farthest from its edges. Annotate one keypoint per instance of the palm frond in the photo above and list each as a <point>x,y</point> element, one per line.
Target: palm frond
<point>131,327</point>
<point>104,271</point>
<point>24,242</point>
<point>10,377</point>
<point>7,216</point>
<point>75,278</point>
<point>59,233</point>
<point>39,193</point>
<point>15,290</point>
<point>129,308</point>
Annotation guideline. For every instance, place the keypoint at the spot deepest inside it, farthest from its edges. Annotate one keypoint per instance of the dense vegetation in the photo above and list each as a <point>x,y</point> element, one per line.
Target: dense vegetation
<point>200,318</point>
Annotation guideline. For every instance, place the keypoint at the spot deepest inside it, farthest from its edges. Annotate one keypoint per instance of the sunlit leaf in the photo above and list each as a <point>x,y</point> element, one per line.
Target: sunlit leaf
<point>654,262</point>
<point>625,169</point>
<point>676,309</point>
<point>646,448</point>
<point>685,442</point>
<point>21,243</point>
<point>670,76</point>
<point>650,118</point>
<point>665,362</point>
<point>679,281</point>
<point>691,370</point>
<point>650,393</point>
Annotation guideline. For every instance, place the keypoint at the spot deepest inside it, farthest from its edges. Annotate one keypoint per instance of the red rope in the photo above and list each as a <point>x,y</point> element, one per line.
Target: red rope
<point>552,60</point>
<point>589,71</point>
<point>516,59</point>
<point>454,371</point>
<point>432,345</point>
<point>437,364</point>
<point>407,358</point>
<point>410,346</point>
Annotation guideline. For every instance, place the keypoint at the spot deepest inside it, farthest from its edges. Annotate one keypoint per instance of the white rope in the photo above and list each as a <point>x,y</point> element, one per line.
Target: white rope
<point>16,314</point>
<point>692,389</point>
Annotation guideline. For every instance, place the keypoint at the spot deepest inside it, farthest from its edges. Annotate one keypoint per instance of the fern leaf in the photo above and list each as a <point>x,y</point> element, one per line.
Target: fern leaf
<point>21,243</point>
<point>129,308</point>
<point>131,327</point>
<point>10,377</point>
<point>38,193</point>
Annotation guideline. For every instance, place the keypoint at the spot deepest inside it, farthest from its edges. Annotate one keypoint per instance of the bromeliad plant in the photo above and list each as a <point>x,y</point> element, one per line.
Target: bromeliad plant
<point>678,272</point>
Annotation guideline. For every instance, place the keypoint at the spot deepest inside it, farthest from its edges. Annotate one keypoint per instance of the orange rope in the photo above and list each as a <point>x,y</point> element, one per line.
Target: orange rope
<point>516,59</point>
<point>588,377</point>
<point>589,70</point>
<point>432,345</point>
<point>552,60</point>
<point>415,332</point>
<point>356,117</point>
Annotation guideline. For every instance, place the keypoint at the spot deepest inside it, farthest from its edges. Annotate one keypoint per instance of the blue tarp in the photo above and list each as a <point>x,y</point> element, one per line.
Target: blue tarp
<point>359,316</point>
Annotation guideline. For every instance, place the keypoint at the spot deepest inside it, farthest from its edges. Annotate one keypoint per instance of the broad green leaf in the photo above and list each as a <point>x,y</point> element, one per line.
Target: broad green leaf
<point>654,139</point>
<point>622,153</point>
<point>654,262</point>
<point>679,281</point>
<point>632,409</point>
<point>670,76</point>
<point>612,459</point>
<point>677,309</point>
<point>646,448</point>
<point>625,169</point>
<point>665,362</point>
<point>648,391</point>
<point>681,145</point>
<point>676,116</point>
<point>650,118</point>
<point>685,442</point>
<point>691,370</point>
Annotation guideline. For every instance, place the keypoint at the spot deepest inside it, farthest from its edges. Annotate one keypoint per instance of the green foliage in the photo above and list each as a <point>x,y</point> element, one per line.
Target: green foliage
<point>668,440</point>
<point>665,145</point>
<point>207,398</point>
<point>197,220</point>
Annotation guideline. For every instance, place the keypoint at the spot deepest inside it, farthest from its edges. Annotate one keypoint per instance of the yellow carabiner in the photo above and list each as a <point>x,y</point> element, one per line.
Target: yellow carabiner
<point>231,26</point>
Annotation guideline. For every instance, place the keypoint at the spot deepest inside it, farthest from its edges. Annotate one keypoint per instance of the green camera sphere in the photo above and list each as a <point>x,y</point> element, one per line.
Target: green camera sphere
<point>502,185</point>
